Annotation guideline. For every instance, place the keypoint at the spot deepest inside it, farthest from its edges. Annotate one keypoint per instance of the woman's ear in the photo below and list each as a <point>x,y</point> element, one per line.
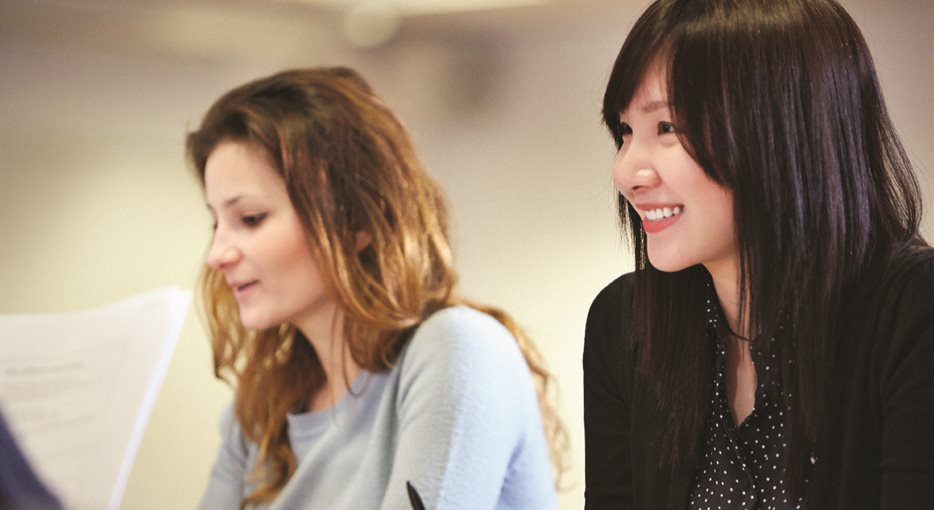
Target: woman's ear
<point>362,240</point>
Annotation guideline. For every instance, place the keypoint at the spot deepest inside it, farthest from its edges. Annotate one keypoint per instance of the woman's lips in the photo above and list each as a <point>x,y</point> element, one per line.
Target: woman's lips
<point>656,218</point>
<point>242,289</point>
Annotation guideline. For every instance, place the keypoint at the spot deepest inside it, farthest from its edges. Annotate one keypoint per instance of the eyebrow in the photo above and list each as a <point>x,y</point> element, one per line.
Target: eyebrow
<point>231,201</point>
<point>652,106</point>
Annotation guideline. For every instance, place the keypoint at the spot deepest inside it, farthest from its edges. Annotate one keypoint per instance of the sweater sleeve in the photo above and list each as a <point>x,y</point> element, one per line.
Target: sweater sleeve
<point>907,393</point>
<point>469,432</point>
<point>607,425</point>
<point>224,489</point>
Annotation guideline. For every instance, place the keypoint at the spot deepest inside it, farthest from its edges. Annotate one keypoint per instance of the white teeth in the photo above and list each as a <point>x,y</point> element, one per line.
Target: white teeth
<point>662,212</point>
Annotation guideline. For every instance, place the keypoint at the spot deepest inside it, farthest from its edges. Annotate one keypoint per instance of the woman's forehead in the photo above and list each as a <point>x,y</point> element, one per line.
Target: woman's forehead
<point>651,93</point>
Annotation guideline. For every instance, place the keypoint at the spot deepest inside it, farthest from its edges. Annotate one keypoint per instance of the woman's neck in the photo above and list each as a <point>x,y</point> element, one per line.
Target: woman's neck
<point>727,286</point>
<point>740,371</point>
<point>326,336</point>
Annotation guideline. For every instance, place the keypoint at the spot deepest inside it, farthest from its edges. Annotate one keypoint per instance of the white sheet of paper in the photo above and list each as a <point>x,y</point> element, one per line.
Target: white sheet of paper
<point>77,389</point>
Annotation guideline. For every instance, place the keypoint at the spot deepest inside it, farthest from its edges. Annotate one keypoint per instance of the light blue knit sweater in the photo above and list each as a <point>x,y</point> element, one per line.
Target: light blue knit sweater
<point>457,416</point>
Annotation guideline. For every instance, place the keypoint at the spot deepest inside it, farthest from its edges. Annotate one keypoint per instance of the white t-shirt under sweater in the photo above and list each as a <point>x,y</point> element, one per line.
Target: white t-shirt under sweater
<point>457,416</point>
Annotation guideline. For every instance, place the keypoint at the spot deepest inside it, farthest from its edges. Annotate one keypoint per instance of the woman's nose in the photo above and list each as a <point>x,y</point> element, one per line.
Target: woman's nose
<point>222,253</point>
<point>633,170</point>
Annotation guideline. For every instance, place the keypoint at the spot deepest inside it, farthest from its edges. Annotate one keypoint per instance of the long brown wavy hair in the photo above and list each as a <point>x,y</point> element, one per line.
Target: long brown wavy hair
<point>349,166</point>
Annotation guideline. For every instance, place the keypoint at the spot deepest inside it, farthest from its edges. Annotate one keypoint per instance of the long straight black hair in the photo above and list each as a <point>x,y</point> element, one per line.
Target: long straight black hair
<point>780,103</point>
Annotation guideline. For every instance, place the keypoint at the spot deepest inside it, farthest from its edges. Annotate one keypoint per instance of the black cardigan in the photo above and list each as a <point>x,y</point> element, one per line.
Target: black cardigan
<point>878,451</point>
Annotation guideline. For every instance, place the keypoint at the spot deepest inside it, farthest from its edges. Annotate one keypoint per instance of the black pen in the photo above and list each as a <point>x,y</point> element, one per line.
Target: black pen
<point>414,498</point>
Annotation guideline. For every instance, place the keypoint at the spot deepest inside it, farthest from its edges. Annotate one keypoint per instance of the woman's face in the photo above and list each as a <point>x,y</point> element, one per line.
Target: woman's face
<point>259,243</point>
<point>687,217</point>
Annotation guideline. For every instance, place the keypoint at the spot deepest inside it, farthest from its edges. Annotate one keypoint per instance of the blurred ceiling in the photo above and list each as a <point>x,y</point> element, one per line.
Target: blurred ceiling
<point>209,28</point>
<point>415,7</point>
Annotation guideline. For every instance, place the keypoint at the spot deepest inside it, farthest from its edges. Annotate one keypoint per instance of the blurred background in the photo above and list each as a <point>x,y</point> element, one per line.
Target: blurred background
<point>502,98</point>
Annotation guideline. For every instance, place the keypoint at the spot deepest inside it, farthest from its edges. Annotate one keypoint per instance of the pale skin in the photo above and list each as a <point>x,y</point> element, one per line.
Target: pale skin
<point>327,338</point>
<point>339,367</point>
<point>687,217</point>
<point>261,248</point>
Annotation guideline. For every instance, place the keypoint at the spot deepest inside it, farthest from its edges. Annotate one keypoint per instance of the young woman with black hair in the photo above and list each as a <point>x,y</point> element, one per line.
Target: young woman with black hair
<point>774,347</point>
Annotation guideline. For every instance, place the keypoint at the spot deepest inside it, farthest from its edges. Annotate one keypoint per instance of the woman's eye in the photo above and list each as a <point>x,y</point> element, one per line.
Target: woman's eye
<point>252,220</point>
<point>665,128</point>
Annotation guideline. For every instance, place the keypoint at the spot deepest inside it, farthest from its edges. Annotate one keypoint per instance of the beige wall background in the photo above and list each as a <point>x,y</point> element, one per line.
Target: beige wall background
<point>96,201</point>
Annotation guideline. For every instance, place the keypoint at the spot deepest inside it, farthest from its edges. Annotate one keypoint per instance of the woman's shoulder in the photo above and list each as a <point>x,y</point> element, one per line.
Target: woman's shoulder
<point>914,263</point>
<point>895,301</point>
<point>910,276</point>
<point>610,310</point>
<point>614,294</point>
<point>461,350</point>
<point>908,271</point>
<point>235,443</point>
<point>607,340</point>
<point>462,329</point>
<point>461,340</point>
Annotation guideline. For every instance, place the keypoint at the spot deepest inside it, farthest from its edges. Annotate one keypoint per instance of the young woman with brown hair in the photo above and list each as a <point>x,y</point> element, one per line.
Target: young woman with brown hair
<point>330,297</point>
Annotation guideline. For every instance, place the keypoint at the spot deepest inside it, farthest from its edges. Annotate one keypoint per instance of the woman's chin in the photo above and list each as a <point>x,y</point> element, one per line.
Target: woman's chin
<point>667,266</point>
<point>254,323</point>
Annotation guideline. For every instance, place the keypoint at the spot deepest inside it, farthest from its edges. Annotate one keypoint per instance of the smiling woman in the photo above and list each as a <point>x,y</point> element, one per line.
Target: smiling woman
<point>329,294</point>
<point>773,347</point>
<point>687,216</point>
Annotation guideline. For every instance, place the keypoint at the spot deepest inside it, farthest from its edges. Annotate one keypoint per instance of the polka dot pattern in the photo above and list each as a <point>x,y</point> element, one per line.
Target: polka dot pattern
<point>742,465</point>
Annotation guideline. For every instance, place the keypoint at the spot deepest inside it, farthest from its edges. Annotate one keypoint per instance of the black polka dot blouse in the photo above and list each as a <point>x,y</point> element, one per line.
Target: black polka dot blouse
<point>742,465</point>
